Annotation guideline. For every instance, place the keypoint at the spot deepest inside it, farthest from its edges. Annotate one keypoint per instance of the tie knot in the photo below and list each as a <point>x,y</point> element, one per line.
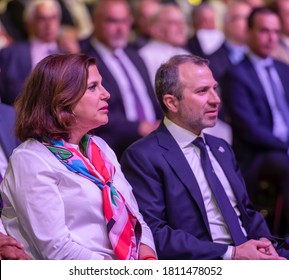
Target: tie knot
<point>116,55</point>
<point>268,67</point>
<point>199,142</point>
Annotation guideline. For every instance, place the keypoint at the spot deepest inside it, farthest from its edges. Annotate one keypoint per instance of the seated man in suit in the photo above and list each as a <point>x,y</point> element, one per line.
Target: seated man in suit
<point>187,183</point>
<point>235,46</point>
<point>256,97</point>
<point>207,38</point>
<point>9,247</point>
<point>145,10</point>
<point>169,36</point>
<point>8,141</point>
<point>133,108</point>
<point>42,18</point>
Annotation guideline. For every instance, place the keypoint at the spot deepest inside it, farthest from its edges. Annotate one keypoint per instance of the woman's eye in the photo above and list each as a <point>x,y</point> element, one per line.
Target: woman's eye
<point>92,88</point>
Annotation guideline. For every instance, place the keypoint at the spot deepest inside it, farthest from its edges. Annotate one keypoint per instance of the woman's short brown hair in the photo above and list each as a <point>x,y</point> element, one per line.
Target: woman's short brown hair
<point>45,107</point>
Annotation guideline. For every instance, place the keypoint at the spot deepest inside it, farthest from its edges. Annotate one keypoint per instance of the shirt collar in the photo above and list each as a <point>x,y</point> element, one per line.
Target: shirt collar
<point>182,136</point>
<point>259,61</point>
<point>40,44</point>
<point>103,49</point>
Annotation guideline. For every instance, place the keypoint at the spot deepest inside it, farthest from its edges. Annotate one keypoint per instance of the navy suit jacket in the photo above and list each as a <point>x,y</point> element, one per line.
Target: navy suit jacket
<point>119,133</point>
<point>170,199</point>
<point>7,138</point>
<point>15,65</point>
<point>194,46</point>
<point>220,62</point>
<point>250,114</point>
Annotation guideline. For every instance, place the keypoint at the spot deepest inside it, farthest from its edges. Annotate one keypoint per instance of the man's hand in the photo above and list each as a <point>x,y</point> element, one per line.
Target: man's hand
<point>11,249</point>
<point>270,250</point>
<point>256,250</point>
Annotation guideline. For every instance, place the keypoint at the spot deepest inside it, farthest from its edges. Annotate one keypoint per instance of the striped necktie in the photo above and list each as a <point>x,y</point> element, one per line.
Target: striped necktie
<point>279,96</point>
<point>138,105</point>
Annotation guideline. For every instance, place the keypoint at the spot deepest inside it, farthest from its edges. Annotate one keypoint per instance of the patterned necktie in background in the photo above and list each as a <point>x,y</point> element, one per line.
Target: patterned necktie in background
<point>278,96</point>
<point>139,107</point>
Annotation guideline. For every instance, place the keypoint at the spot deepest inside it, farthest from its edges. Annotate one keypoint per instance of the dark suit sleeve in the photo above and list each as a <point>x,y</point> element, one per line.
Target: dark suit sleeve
<point>15,66</point>
<point>161,210</point>
<point>249,111</point>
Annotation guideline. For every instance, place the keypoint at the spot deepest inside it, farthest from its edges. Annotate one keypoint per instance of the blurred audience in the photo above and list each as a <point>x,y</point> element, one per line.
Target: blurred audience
<point>8,141</point>
<point>145,10</point>
<point>80,16</point>
<point>256,3</point>
<point>5,38</point>
<point>10,249</point>
<point>42,18</point>
<point>133,108</point>
<point>14,19</point>
<point>235,46</point>
<point>68,39</point>
<point>220,7</point>
<point>256,96</point>
<point>169,32</point>
<point>282,50</point>
<point>206,37</point>
<point>73,12</point>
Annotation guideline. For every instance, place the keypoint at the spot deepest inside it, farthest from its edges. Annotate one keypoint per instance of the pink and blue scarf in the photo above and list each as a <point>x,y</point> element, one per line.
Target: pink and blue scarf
<point>124,230</point>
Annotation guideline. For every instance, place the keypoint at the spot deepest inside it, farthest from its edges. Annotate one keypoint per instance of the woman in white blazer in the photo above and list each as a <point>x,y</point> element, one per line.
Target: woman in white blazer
<point>64,193</point>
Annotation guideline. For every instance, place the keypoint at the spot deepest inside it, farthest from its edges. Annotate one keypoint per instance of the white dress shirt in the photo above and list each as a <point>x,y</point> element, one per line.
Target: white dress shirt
<point>56,213</point>
<point>40,50</point>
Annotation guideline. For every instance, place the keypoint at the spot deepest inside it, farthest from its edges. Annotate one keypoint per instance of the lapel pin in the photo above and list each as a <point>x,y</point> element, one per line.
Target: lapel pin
<point>221,149</point>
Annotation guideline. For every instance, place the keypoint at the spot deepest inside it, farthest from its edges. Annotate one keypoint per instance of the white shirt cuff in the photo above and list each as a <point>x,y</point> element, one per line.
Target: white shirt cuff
<point>228,254</point>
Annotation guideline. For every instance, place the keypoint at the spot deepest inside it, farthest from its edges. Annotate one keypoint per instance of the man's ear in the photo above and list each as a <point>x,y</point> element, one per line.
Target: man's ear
<point>171,102</point>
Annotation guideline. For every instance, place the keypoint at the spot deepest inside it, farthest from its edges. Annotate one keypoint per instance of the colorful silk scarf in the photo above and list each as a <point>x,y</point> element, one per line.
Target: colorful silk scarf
<point>124,230</point>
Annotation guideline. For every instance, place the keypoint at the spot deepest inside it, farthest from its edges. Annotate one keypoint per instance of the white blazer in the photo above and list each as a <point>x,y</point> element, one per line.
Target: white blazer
<point>55,213</point>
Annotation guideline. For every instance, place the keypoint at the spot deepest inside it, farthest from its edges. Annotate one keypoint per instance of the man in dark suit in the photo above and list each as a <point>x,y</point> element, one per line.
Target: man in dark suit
<point>144,12</point>
<point>235,46</point>
<point>17,60</point>
<point>256,96</point>
<point>9,247</point>
<point>173,188</point>
<point>8,141</point>
<point>124,75</point>
<point>206,37</point>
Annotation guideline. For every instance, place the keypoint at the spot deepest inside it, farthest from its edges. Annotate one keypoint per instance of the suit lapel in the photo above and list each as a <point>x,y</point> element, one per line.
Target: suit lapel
<point>283,74</point>
<point>176,159</point>
<point>254,80</point>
